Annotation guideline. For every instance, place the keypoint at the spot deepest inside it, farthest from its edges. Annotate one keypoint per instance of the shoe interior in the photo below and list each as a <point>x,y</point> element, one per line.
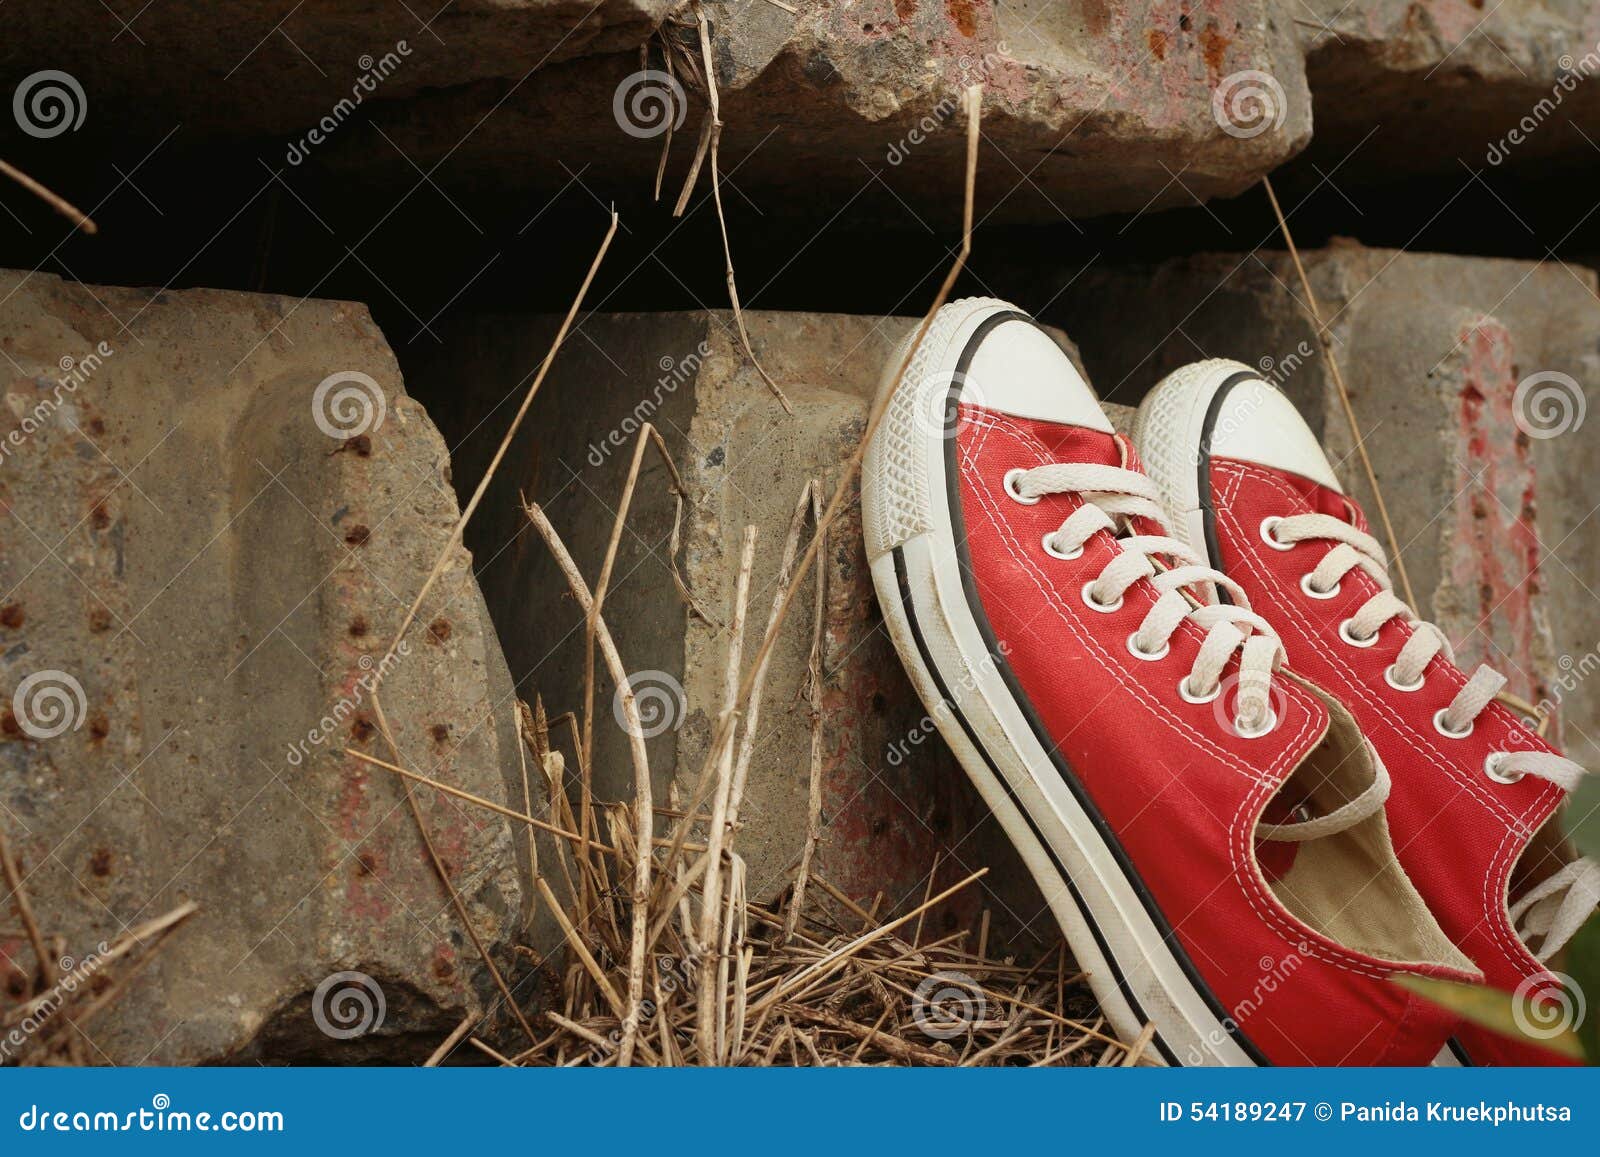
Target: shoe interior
<point>1349,885</point>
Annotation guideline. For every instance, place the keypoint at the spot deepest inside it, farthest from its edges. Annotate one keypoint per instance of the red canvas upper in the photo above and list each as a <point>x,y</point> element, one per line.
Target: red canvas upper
<point>1459,833</point>
<point>1179,791</point>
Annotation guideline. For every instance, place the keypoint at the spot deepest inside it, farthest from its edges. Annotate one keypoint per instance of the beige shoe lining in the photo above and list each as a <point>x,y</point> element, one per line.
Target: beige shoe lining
<point>1350,886</point>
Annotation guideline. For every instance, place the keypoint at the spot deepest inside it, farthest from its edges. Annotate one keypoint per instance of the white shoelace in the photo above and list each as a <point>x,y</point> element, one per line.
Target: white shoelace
<point>1552,911</point>
<point>1111,497</point>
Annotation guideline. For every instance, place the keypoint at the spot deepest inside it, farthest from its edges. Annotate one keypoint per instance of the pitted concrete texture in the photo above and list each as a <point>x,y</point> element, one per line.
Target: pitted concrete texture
<point>1471,379</point>
<point>209,580</point>
<point>894,804</point>
<point>1096,107</point>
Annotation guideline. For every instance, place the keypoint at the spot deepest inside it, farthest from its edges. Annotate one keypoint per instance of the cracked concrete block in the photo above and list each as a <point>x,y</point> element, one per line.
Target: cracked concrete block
<point>1471,379</point>
<point>893,802</point>
<point>1090,107</point>
<point>1447,82</point>
<point>214,509</point>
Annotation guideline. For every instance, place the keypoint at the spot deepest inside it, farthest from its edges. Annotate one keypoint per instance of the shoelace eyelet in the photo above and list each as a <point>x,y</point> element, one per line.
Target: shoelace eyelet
<point>1271,539</point>
<point>1268,724</point>
<point>1139,652</point>
<point>1438,725</point>
<point>1054,551</point>
<point>1348,634</point>
<point>1392,677</point>
<point>1189,696</point>
<point>1312,591</point>
<point>1491,768</point>
<point>1010,484</point>
<point>1095,604</point>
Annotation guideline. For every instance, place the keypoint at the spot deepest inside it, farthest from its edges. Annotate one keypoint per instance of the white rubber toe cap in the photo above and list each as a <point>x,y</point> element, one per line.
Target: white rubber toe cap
<point>1018,369</point>
<point>1253,421</point>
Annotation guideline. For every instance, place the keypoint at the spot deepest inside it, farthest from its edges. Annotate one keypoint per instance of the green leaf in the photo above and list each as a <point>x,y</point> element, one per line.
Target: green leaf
<point>1583,965</point>
<point>1500,1012</point>
<point>1583,816</point>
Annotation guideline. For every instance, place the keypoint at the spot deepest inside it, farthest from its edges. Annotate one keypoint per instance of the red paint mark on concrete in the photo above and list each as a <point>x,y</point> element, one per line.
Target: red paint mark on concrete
<point>1214,47</point>
<point>964,14</point>
<point>352,799</point>
<point>905,9</point>
<point>445,964</point>
<point>1157,39</point>
<point>895,805</point>
<point>367,897</point>
<point>1096,17</point>
<point>1494,557</point>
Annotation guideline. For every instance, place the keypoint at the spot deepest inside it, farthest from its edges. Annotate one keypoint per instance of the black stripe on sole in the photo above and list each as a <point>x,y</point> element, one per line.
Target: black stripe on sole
<point>948,700</point>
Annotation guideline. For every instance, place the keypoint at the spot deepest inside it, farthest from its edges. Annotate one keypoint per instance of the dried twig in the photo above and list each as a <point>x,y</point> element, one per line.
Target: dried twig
<point>57,202</point>
<point>972,98</point>
<point>46,967</point>
<point>711,892</point>
<point>1325,338</point>
<point>710,137</point>
<point>448,1045</point>
<point>643,790</point>
<point>500,453</point>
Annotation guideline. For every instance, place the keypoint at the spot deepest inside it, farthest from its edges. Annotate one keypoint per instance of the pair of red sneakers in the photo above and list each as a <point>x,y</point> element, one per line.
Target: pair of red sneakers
<point>1251,784</point>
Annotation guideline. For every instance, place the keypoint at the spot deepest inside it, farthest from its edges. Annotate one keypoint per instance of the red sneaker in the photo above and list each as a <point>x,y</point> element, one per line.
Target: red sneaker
<point>1207,828</point>
<point>1474,789</point>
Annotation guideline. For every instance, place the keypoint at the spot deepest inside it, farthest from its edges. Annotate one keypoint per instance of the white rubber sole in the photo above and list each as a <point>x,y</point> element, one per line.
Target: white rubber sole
<point>1134,969</point>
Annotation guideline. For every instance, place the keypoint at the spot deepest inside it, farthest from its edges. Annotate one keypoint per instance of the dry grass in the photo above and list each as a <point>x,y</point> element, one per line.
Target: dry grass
<point>65,994</point>
<point>832,984</point>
